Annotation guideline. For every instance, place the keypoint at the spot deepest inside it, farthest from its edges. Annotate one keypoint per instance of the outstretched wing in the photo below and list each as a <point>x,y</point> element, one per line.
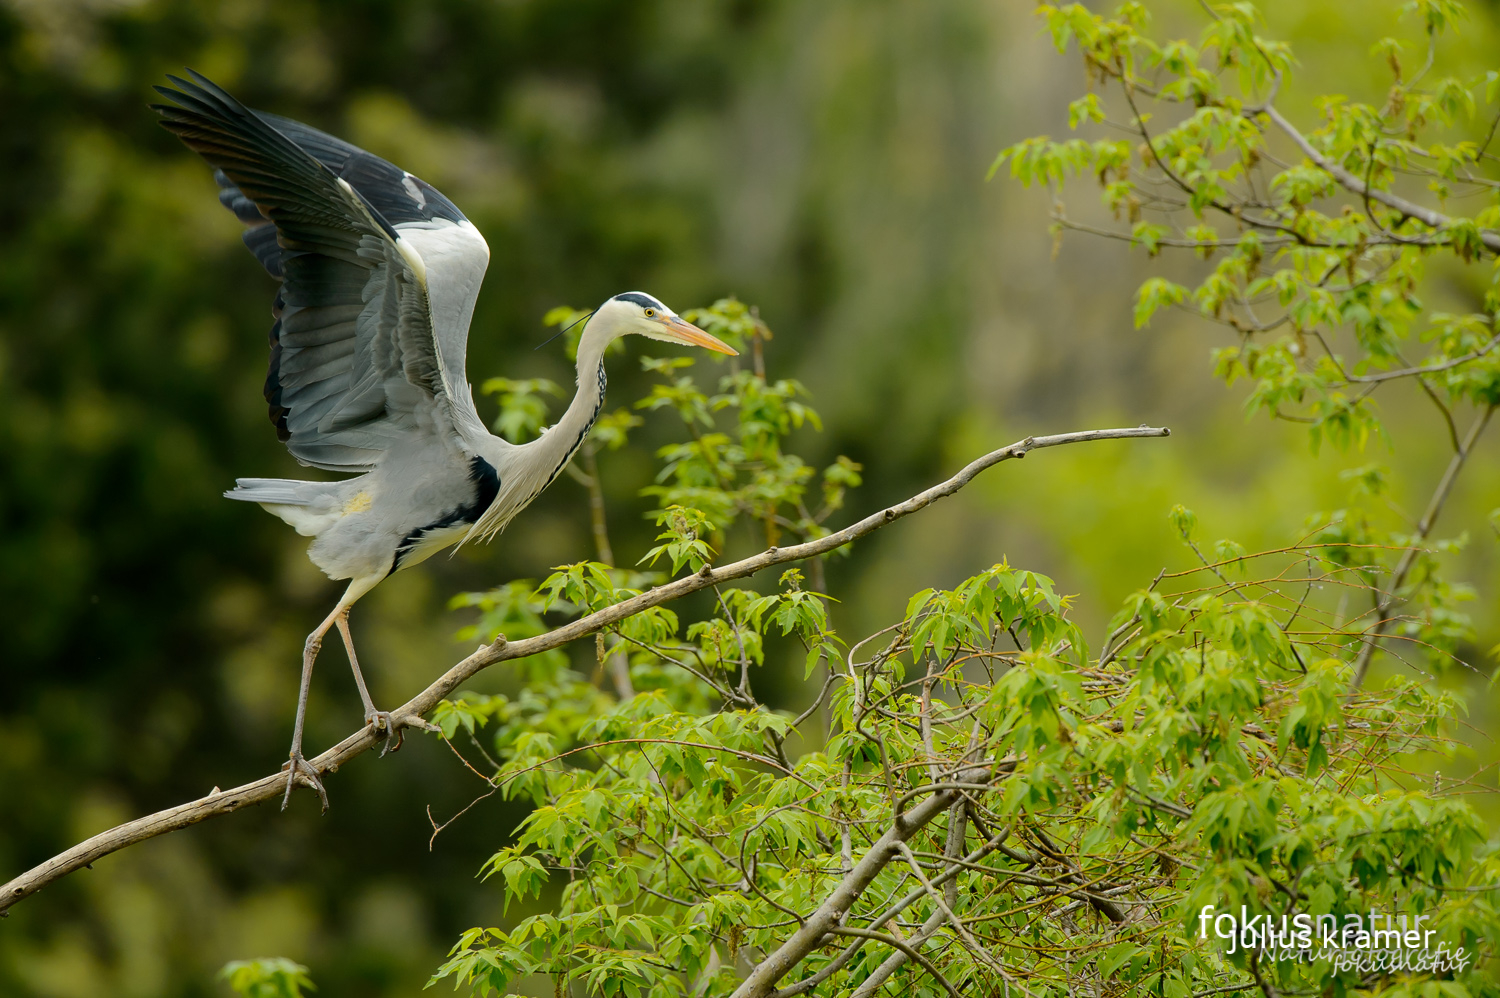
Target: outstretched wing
<point>379,275</point>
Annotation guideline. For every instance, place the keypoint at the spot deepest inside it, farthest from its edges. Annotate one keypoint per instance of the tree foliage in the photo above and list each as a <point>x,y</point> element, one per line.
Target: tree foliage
<point>1326,251</point>
<point>1216,750</point>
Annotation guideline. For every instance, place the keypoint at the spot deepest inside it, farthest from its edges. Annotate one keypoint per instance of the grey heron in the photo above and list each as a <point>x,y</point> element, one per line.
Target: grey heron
<point>379,273</point>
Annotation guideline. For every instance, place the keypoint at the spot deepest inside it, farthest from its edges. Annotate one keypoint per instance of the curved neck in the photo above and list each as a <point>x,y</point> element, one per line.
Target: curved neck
<point>525,470</point>
<point>546,456</point>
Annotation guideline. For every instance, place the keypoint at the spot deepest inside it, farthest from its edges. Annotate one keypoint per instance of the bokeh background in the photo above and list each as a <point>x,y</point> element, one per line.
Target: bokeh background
<point>825,161</point>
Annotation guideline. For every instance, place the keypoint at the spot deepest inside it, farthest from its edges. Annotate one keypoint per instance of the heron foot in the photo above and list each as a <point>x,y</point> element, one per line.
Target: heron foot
<point>385,726</point>
<point>297,767</point>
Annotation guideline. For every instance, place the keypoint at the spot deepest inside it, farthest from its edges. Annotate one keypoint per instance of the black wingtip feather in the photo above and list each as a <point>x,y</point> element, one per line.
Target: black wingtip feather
<point>272,390</point>
<point>188,93</point>
<point>279,171</point>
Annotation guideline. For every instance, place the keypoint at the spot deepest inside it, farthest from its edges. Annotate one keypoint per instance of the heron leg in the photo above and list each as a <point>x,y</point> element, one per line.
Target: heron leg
<point>297,766</point>
<point>380,719</point>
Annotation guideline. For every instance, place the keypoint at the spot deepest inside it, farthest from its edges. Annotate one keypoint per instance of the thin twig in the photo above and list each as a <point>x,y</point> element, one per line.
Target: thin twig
<point>1387,600</point>
<point>948,913</point>
<point>897,944</point>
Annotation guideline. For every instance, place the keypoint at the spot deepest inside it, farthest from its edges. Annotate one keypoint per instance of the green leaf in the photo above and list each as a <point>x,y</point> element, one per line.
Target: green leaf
<point>1085,108</point>
<point>272,977</point>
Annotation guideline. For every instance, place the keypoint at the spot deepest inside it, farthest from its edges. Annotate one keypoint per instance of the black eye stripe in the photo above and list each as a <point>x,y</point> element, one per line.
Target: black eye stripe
<point>644,301</point>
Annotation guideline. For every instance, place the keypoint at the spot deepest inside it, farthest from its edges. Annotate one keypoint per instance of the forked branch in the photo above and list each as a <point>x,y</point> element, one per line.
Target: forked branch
<point>410,713</point>
<point>1353,184</point>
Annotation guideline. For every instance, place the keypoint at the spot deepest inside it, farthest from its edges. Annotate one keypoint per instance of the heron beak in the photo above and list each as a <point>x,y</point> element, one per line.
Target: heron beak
<point>688,333</point>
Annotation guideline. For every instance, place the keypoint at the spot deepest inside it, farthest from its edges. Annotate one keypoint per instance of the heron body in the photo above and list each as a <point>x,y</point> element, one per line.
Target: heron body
<point>379,274</point>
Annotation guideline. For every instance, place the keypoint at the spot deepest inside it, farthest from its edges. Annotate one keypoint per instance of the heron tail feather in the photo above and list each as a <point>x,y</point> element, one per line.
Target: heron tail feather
<point>281,491</point>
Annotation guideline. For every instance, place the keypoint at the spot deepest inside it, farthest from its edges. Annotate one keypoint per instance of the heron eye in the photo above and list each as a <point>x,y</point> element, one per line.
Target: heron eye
<point>650,313</point>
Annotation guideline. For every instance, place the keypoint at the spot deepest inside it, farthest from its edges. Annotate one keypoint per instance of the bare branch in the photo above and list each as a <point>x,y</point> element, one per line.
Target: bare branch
<point>1428,369</point>
<point>410,714</point>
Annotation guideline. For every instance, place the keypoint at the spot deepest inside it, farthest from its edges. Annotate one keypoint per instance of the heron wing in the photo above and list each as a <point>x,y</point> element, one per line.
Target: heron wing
<point>379,275</point>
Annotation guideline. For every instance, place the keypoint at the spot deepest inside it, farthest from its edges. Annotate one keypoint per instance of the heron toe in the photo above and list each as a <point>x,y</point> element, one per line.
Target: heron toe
<point>385,727</point>
<point>298,767</point>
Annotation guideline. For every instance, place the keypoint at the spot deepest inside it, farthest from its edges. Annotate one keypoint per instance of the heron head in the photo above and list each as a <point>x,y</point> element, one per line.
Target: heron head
<point>636,312</point>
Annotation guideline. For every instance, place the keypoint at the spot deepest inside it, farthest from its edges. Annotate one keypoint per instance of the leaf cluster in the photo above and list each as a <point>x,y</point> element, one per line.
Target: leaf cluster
<point>1316,243</point>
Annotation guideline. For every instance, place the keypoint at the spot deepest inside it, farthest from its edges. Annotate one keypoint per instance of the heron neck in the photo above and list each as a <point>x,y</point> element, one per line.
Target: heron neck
<point>556,447</point>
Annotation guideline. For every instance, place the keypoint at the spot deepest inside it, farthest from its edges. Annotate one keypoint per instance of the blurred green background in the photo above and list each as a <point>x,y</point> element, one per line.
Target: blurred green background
<point>825,161</point>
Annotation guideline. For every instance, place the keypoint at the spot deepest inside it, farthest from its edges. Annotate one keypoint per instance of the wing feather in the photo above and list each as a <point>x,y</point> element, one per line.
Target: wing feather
<point>372,317</point>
